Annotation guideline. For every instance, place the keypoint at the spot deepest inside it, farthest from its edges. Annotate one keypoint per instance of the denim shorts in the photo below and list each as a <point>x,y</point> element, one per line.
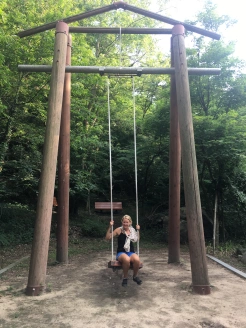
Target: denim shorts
<point>127,253</point>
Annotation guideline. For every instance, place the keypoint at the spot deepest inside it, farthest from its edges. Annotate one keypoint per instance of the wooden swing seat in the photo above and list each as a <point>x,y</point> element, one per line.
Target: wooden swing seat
<point>116,265</point>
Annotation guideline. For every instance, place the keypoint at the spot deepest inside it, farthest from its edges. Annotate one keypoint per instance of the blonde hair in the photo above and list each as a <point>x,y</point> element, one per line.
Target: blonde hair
<point>127,217</point>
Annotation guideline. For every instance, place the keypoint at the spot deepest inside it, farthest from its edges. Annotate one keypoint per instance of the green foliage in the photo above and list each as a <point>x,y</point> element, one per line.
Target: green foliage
<point>229,248</point>
<point>92,227</point>
<point>211,20</point>
<point>16,225</point>
<point>218,104</point>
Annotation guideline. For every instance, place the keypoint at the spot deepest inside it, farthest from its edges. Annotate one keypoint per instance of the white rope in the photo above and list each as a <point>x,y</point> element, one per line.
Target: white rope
<point>110,162</point>
<point>110,173</point>
<point>135,155</point>
<point>120,49</point>
<point>110,157</point>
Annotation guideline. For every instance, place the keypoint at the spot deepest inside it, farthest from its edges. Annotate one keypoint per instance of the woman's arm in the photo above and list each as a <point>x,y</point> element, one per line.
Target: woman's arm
<point>138,231</point>
<point>109,231</point>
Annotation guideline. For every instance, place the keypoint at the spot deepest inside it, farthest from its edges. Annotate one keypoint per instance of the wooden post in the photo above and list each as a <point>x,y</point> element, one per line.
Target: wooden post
<point>199,269</point>
<point>64,167</point>
<point>40,247</point>
<point>174,175</point>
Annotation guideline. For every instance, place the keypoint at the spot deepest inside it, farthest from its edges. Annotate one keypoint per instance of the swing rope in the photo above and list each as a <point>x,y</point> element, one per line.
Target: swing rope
<point>135,155</point>
<point>110,156</point>
<point>110,173</point>
<point>120,49</point>
<point>110,160</point>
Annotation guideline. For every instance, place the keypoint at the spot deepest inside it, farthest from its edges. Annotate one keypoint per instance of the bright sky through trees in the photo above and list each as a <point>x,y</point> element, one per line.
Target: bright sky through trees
<point>187,9</point>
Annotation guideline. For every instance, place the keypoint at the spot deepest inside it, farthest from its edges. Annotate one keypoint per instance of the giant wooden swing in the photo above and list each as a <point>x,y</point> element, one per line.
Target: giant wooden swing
<point>115,264</point>
<point>57,133</point>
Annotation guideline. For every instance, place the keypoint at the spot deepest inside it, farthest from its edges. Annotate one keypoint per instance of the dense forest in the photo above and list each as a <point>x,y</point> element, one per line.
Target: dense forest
<point>218,105</point>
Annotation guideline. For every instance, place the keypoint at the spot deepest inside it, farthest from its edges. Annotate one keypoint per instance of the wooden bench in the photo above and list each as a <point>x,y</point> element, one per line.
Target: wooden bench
<point>106,206</point>
<point>55,204</point>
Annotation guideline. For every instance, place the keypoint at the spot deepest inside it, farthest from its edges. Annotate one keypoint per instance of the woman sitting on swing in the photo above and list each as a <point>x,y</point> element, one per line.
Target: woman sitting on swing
<point>125,251</point>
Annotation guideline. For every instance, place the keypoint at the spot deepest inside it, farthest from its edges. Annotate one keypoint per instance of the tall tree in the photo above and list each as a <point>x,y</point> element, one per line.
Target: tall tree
<point>218,109</point>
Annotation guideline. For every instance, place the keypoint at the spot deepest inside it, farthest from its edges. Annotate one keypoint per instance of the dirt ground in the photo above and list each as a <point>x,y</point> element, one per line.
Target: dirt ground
<point>85,293</point>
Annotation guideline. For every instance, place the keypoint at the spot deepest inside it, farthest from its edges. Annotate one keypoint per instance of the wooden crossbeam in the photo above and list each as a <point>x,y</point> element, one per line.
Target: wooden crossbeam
<point>119,70</point>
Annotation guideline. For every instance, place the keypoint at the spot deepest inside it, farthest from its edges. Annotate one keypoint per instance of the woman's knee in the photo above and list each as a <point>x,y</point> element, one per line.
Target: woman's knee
<point>123,258</point>
<point>134,258</point>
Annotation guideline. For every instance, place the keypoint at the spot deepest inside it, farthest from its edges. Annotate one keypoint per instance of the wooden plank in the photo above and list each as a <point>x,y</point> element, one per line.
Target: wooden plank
<point>118,265</point>
<point>227,266</point>
<point>107,205</point>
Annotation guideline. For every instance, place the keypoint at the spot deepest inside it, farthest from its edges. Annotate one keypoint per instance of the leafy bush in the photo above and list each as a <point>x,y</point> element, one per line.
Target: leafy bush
<point>94,228</point>
<point>16,224</point>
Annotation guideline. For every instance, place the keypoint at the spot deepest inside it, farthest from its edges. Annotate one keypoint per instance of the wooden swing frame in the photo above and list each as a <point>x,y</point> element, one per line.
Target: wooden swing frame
<point>38,263</point>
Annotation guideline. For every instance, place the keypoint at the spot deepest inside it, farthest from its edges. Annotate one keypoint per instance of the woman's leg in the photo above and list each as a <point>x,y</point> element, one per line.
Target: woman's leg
<point>134,258</point>
<point>125,261</point>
